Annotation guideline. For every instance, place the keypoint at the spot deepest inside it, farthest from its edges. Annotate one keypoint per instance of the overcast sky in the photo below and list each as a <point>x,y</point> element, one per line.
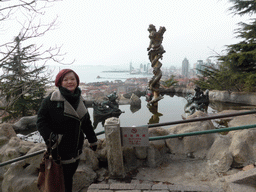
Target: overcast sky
<point>114,32</point>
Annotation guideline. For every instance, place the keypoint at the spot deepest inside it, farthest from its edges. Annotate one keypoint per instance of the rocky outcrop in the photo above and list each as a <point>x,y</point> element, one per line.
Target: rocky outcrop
<point>13,147</point>
<point>222,151</point>
<point>238,148</point>
<point>135,100</point>
<point>192,146</point>
<point>28,122</point>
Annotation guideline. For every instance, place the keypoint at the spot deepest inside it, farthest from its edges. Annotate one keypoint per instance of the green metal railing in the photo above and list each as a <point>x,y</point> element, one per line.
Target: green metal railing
<point>168,136</point>
<point>193,120</point>
<point>202,132</point>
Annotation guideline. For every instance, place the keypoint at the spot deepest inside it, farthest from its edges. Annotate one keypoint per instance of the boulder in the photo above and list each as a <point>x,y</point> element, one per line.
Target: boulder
<point>130,160</point>
<point>238,148</point>
<point>158,144</point>
<point>135,100</point>
<point>28,168</point>
<point>235,149</point>
<point>243,147</point>
<point>89,156</point>
<point>123,100</point>
<point>14,182</point>
<point>196,146</point>
<point>242,120</point>
<point>83,177</point>
<point>6,133</point>
<point>157,149</point>
<point>220,160</point>
<point>28,122</point>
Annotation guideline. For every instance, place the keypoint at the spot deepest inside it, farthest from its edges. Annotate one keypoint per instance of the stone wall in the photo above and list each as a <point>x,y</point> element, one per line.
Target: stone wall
<point>225,96</point>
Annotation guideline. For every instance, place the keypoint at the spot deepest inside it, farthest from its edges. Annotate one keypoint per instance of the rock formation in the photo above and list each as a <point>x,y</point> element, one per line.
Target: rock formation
<point>235,149</point>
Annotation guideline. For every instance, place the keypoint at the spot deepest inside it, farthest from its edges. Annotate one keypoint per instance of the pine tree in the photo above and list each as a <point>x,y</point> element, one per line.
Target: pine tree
<point>238,66</point>
<point>22,83</point>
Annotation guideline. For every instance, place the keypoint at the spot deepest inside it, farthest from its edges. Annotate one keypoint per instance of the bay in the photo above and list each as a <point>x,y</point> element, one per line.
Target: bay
<point>98,73</point>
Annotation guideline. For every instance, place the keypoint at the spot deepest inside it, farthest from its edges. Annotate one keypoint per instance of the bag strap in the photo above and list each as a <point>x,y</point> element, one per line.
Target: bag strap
<point>50,147</point>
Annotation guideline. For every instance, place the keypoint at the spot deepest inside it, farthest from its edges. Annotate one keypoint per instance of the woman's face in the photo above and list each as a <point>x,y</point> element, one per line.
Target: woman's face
<point>69,82</point>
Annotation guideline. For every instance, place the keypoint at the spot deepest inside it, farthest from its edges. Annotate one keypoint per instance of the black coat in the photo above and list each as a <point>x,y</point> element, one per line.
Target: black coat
<point>58,116</point>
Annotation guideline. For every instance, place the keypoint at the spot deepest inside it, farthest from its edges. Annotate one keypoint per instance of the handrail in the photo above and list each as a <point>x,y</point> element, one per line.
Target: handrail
<point>22,157</point>
<point>192,120</point>
<point>202,132</point>
<point>202,119</point>
<point>166,136</point>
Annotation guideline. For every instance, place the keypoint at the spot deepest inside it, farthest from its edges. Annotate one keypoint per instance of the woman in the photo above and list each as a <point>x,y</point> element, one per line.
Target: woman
<point>64,115</point>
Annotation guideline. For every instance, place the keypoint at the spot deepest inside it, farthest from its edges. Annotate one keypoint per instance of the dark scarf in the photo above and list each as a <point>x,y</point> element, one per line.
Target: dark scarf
<point>72,98</point>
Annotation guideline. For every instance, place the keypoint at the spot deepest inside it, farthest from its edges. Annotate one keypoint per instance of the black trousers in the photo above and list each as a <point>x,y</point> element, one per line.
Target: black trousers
<point>69,171</point>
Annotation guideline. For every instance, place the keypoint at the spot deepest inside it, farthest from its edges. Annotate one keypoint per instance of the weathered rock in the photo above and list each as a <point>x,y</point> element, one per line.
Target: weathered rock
<point>10,150</point>
<point>130,160</point>
<point>242,181</point>
<point>137,93</point>
<point>101,174</point>
<point>83,177</point>
<point>154,157</point>
<point>135,108</point>
<point>90,158</point>
<point>141,152</point>
<point>14,182</point>
<point>135,103</point>
<point>158,144</point>
<point>242,120</point>
<point>243,147</point>
<point>101,152</point>
<point>28,168</point>
<point>33,163</point>
<point>124,100</point>
<point>219,156</point>
<point>27,122</point>
<point>236,149</point>
<point>135,100</point>
<point>197,145</point>
<point>6,132</point>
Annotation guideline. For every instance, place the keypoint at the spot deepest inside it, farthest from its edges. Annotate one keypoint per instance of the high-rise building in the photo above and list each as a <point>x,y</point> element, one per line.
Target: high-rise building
<point>199,66</point>
<point>185,68</point>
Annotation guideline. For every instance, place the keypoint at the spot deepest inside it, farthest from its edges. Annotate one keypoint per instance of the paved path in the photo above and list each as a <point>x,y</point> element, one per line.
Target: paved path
<point>243,181</point>
<point>150,186</point>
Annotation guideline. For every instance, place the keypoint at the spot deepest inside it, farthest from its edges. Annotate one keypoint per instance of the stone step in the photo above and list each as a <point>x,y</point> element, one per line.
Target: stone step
<point>149,187</point>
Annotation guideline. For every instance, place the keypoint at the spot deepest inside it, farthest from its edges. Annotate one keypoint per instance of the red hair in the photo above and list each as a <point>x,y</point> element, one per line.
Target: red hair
<point>61,74</point>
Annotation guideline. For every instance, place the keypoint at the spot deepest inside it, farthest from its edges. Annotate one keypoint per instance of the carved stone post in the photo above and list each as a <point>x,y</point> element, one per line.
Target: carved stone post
<point>114,148</point>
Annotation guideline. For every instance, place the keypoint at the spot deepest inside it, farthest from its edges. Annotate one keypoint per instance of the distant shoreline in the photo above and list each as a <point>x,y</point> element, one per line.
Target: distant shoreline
<point>122,71</point>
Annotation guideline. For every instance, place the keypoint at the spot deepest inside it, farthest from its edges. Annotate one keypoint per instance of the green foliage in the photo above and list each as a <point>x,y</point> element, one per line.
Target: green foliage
<point>237,68</point>
<point>243,7</point>
<point>22,84</point>
<point>169,82</point>
<point>250,82</point>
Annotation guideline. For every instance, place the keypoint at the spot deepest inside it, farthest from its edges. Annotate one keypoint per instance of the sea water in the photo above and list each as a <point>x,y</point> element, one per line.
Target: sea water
<point>98,73</point>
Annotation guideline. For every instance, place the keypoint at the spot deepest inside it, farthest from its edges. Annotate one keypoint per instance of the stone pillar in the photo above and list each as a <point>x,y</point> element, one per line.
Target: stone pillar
<point>114,148</point>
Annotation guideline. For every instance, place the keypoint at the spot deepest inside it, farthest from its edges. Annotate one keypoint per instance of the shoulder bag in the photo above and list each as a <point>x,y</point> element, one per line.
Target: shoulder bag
<point>51,177</point>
